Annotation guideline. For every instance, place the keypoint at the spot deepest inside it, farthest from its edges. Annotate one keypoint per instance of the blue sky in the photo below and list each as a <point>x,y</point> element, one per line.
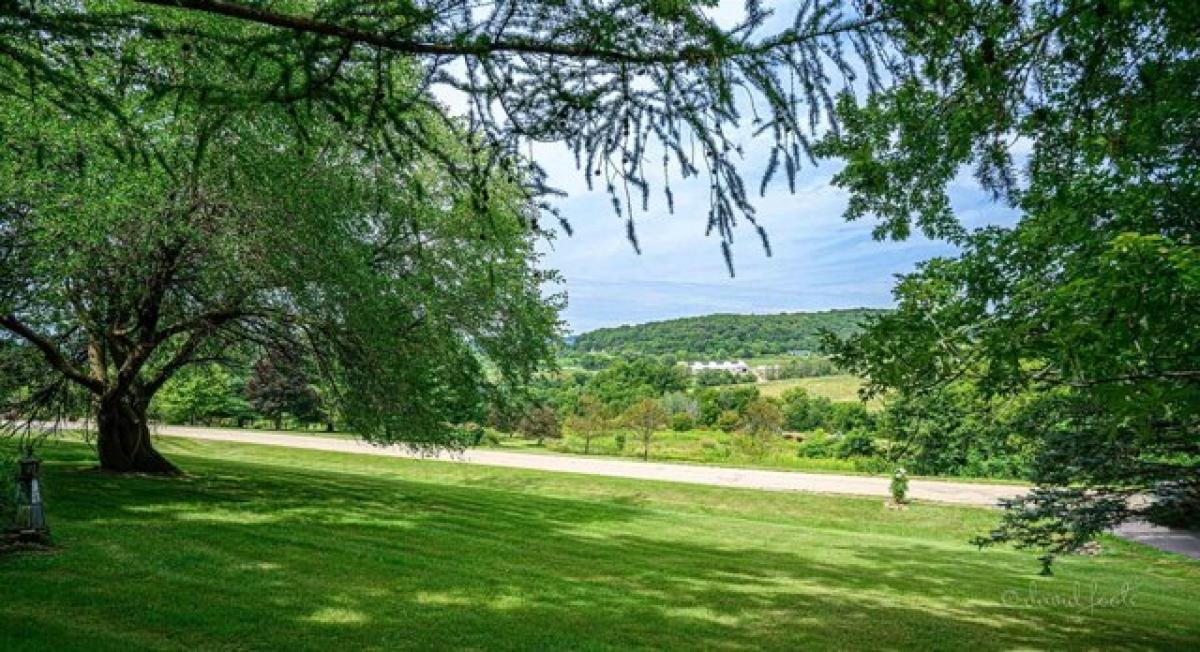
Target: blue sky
<point>819,260</point>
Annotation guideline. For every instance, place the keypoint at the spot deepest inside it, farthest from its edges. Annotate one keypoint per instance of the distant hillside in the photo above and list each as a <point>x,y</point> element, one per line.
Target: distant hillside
<point>725,335</point>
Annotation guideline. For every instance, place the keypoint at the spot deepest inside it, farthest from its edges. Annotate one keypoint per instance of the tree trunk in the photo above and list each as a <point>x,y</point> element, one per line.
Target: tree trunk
<point>123,443</point>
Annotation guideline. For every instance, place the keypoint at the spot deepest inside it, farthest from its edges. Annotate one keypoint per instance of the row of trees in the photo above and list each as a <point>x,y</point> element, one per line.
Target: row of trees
<point>280,387</point>
<point>958,432</point>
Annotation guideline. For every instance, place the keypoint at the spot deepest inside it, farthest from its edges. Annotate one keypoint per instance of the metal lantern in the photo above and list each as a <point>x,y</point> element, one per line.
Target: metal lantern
<point>31,514</point>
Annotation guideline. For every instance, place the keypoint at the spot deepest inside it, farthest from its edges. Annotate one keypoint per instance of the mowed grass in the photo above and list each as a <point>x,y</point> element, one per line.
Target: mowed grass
<point>270,548</point>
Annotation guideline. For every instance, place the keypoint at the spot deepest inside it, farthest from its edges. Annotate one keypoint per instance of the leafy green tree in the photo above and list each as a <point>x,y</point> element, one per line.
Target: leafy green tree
<point>619,81</point>
<point>540,422</point>
<point>200,393</point>
<point>676,403</point>
<point>1086,305</point>
<point>682,422</point>
<point>728,420</point>
<point>761,424</point>
<point>627,381</point>
<point>714,401</point>
<point>956,430</point>
<point>856,443</point>
<point>280,383</point>
<point>121,272</point>
<point>590,420</point>
<point>803,412</point>
<point>645,418</point>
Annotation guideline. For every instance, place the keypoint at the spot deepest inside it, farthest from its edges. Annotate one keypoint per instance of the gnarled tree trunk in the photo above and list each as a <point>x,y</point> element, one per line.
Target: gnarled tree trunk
<point>124,444</point>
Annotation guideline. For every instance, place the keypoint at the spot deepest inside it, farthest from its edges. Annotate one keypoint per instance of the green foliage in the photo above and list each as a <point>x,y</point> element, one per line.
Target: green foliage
<point>856,443</point>
<point>676,403</point>
<point>727,420</point>
<point>627,381</point>
<point>807,366</point>
<point>540,423</point>
<point>1082,313</point>
<point>898,486</point>
<point>724,335</point>
<point>644,418</point>
<point>802,412</point>
<point>956,430</point>
<point>682,422</point>
<point>201,394</point>
<point>817,444</point>
<point>713,401</point>
<point>233,232</point>
<point>715,377</point>
<point>761,425</point>
<point>589,420</point>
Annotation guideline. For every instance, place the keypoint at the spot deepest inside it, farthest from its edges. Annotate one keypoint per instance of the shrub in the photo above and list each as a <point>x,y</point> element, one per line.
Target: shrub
<point>816,444</point>
<point>856,443</point>
<point>677,402</point>
<point>899,486</point>
<point>728,420</point>
<point>804,412</point>
<point>682,422</point>
<point>619,438</point>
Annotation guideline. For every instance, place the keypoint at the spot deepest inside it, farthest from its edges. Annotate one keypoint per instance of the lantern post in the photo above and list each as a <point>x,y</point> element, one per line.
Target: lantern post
<point>30,525</point>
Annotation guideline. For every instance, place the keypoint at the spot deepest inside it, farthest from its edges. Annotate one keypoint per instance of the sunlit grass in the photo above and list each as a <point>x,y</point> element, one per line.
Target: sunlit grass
<point>271,548</point>
<point>835,388</point>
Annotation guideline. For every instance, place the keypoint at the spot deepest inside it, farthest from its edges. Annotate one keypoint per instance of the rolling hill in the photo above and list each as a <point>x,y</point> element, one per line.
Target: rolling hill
<point>725,335</point>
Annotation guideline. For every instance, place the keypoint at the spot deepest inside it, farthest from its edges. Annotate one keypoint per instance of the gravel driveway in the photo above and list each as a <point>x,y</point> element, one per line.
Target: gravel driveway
<point>932,490</point>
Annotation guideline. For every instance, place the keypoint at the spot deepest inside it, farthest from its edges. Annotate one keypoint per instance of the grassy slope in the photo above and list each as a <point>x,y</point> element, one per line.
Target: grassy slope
<point>274,548</point>
<point>834,388</point>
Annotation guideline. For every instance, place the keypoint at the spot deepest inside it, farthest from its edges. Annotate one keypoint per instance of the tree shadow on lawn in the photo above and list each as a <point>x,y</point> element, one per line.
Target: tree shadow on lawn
<point>256,556</point>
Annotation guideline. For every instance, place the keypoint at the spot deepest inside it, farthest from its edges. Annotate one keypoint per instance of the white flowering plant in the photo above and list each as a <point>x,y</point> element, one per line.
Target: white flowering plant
<point>899,486</point>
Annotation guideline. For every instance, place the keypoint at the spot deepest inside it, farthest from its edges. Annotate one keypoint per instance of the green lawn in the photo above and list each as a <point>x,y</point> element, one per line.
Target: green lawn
<point>270,548</point>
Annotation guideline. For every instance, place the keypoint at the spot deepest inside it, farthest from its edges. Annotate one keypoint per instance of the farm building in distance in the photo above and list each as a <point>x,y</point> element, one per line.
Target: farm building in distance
<point>737,366</point>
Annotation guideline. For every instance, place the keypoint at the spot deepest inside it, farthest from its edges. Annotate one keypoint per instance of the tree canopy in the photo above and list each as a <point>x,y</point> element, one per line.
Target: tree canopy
<point>633,87</point>
<point>413,298</point>
<point>1085,308</point>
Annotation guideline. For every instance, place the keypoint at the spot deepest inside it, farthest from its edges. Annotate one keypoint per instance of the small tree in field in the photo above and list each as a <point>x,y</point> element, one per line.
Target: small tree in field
<point>645,417</point>
<point>762,422</point>
<point>280,384</point>
<point>589,420</point>
<point>540,423</point>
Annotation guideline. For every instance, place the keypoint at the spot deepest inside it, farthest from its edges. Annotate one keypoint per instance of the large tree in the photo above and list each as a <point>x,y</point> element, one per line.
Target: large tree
<point>633,87</point>
<point>1085,309</point>
<point>414,296</point>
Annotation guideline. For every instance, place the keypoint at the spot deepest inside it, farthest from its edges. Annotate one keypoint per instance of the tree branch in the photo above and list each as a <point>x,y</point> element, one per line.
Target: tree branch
<point>482,48</point>
<point>51,353</point>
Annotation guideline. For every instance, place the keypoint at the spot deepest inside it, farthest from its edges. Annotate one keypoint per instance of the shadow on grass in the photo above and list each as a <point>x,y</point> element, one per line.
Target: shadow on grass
<point>251,556</point>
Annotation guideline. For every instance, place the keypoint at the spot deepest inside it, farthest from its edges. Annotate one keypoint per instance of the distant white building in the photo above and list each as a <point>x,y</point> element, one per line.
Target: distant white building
<point>736,366</point>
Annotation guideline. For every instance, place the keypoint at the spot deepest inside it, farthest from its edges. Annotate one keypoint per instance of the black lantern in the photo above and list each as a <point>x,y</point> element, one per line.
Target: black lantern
<point>30,524</point>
